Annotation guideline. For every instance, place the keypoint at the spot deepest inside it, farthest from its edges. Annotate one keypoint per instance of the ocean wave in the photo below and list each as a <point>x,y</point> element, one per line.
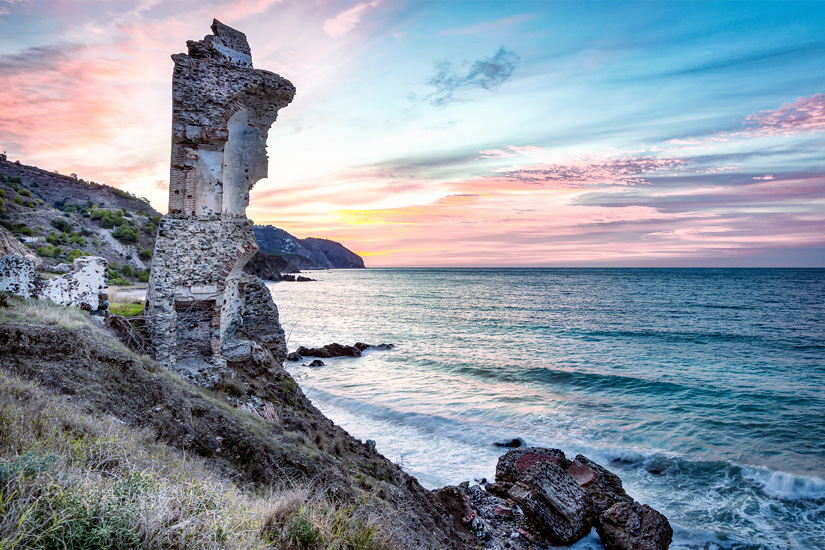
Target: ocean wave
<point>784,485</point>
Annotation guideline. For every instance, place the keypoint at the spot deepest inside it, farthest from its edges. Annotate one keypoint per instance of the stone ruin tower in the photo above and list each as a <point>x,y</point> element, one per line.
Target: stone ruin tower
<point>203,311</point>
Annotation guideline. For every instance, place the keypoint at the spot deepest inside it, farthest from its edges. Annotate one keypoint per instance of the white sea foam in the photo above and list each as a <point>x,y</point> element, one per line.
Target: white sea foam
<point>784,485</point>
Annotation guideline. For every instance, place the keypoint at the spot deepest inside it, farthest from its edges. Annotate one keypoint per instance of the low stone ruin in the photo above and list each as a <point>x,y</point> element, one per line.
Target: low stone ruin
<point>85,286</point>
<point>203,311</point>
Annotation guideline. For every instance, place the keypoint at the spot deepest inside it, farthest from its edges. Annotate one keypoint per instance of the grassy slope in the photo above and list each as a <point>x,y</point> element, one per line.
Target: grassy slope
<point>99,448</point>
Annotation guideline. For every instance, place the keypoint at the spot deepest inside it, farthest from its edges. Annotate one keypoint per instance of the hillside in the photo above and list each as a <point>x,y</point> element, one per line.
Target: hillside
<point>95,437</point>
<point>309,253</point>
<point>62,217</point>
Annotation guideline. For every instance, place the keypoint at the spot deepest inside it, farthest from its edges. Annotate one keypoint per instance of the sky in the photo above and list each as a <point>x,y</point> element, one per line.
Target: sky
<point>465,132</point>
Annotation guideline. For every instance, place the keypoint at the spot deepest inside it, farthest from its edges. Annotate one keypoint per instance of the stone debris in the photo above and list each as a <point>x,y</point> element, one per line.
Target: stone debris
<point>84,285</point>
<point>201,308</point>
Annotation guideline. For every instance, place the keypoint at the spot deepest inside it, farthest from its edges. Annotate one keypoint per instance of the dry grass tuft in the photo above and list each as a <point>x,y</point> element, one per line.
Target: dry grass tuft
<point>43,312</point>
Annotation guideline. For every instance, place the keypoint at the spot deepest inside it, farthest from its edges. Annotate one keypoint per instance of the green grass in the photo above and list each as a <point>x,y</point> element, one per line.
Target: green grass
<point>126,309</point>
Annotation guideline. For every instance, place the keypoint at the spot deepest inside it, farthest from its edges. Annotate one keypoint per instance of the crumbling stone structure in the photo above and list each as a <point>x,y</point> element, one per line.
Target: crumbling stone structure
<point>203,311</point>
<point>85,286</point>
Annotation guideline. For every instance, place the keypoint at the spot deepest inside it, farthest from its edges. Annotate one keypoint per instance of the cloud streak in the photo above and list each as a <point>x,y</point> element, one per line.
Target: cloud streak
<point>347,20</point>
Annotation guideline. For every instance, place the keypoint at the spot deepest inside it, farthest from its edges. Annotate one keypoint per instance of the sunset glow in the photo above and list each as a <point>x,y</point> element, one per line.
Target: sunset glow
<point>469,133</point>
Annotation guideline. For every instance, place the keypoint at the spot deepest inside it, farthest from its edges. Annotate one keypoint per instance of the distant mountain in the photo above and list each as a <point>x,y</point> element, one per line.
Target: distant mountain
<point>60,217</point>
<point>309,253</point>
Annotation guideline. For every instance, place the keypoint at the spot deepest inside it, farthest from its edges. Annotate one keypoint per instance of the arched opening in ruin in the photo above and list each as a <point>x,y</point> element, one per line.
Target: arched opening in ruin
<point>244,158</point>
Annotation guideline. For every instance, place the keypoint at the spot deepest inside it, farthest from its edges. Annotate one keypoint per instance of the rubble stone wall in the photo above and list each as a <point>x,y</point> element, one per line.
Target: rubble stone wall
<point>84,287</point>
<point>221,113</point>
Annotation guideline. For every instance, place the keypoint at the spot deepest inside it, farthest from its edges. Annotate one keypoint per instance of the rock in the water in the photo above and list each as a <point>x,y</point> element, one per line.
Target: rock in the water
<point>317,363</point>
<point>559,507</point>
<point>340,350</point>
<point>511,443</point>
<point>514,465</point>
<point>302,279</point>
<point>294,356</point>
<point>605,487</point>
<point>330,350</point>
<point>634,526</point>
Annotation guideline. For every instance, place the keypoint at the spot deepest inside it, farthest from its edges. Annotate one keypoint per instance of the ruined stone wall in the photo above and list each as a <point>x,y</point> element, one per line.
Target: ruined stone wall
<point>221,113</point>
<point>85,286</point>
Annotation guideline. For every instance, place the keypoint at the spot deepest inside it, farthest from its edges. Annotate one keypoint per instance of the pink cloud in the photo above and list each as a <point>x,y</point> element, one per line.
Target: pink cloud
<point>348,19</point>
<point>616,171</point>
<point>806,114</point>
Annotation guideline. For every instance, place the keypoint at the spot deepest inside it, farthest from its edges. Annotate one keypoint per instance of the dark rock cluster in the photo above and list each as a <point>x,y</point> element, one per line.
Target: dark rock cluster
<point>336,350</point>
<point>541,498</point>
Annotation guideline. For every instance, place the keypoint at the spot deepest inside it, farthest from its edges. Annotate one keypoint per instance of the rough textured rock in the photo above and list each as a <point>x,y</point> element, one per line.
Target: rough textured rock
<point>559,507</point>
<point>221,113</point>
<point>85,286</point>
<point>634,526</point>
<point>514,465</point>
<point>330,350</point>
<point>514,443</point>
<point>605,487</point>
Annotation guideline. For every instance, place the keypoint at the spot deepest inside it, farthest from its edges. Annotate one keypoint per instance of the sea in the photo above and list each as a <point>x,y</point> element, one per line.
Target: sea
<point>703,389</point>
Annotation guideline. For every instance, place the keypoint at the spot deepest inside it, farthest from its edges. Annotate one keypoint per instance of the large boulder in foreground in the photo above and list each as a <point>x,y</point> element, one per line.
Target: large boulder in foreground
<point>634,526</point>
<point>564,499</point>
<point>560,508</point>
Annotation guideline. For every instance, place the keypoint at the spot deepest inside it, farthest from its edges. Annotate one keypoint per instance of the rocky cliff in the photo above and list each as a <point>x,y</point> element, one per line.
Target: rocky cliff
<point>309,253</point>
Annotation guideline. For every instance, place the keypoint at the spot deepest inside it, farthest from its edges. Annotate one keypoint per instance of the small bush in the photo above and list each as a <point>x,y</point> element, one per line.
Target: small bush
<point>127,270</point>
<point>145,254</point>
<point>73,254</point>
<point>25,193</point>
<point>62,225</point>
<point>125,234</point>
<point>143,275</point>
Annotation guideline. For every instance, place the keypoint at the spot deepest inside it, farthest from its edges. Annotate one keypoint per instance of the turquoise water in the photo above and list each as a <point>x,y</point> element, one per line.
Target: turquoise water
<point>703,389</point>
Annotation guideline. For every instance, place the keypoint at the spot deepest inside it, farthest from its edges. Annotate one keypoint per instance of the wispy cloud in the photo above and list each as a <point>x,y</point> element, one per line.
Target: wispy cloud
<point>617,171</point>
<point>806,114</point>
<point>487,73</point>
<point>6,6</point>
<point>348,19</point>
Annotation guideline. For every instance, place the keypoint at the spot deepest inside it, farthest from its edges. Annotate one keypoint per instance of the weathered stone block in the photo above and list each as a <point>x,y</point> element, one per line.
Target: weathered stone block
<point>634,526</point>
